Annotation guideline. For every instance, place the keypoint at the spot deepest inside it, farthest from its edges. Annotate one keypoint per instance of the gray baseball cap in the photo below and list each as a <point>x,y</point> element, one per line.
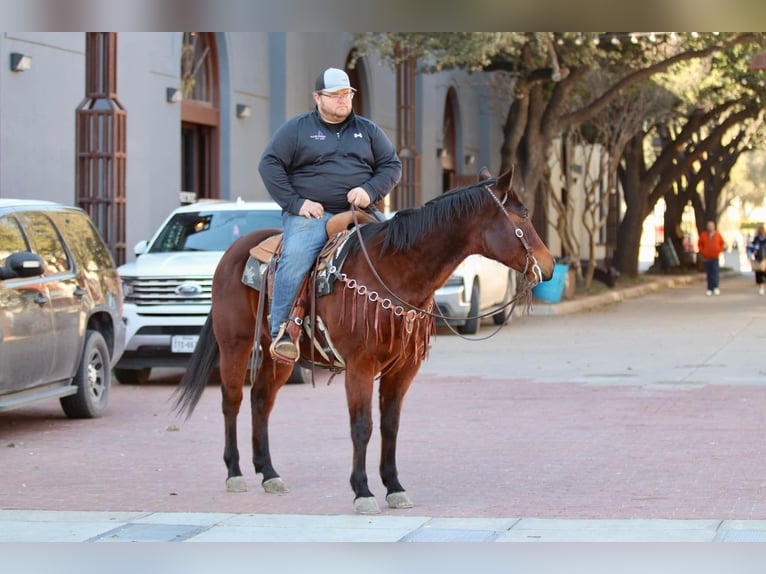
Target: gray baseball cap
<point>333,80</point>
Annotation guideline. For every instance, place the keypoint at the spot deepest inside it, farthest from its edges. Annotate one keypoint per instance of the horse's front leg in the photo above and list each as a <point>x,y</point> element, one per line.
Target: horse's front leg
<point>270,378</point>
<point>359,398</point>
<point>393,387</point>
<point>233,368</point>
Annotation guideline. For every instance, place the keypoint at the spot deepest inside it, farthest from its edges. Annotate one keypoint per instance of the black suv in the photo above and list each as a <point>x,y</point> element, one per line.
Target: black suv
<point>61,328</point>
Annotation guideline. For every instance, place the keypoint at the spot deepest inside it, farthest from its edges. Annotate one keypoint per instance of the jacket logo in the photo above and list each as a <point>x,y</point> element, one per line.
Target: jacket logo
<point>319,136</point>
<point>358,135</point>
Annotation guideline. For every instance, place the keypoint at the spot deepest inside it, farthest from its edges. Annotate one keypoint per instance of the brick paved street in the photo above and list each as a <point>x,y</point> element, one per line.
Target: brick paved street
<point>651,408</point>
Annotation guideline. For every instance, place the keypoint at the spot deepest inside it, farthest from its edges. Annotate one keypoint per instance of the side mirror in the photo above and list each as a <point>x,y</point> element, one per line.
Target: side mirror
<point>140,247</point>
<point>23,264</point>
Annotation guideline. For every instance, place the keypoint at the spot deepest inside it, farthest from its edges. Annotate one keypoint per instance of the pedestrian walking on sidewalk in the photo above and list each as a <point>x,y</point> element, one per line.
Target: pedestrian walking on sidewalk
<point>756,252</point>
<point>711,245</point>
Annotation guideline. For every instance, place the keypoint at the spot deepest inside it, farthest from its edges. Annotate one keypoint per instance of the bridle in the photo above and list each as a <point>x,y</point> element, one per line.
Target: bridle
<point>531,261</point>
<point>525,292</point>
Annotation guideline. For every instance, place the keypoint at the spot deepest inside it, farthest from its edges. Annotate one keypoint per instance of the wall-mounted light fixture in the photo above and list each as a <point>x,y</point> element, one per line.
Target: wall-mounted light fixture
<point>469,159</point>
<point>20,62</point>
<point>243,111</point>
<point>172,95</point>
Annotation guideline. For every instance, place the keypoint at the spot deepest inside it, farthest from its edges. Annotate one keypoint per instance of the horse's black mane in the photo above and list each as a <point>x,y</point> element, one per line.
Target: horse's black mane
<point>408,226</point>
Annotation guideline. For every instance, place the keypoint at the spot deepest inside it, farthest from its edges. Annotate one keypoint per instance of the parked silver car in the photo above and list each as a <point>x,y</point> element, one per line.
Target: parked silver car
<point>61,328</point>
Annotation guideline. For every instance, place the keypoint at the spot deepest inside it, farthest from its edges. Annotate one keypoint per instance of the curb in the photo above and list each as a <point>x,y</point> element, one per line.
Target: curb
<point>591,302</point>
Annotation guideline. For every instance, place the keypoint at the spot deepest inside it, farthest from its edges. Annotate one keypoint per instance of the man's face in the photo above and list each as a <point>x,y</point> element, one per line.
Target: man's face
<point>334,107</point>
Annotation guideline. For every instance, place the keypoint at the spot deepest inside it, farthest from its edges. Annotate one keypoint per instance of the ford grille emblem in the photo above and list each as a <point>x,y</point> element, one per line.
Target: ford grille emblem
<point>189,289</point>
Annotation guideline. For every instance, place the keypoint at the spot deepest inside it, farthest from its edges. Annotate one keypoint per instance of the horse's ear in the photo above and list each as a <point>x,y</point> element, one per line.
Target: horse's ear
<point>504,181</point>
<point>484,173</point>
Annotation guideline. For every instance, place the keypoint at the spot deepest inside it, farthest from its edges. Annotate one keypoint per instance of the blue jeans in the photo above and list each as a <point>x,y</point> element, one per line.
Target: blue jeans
<point>303,239</point>
<point>712,270</point>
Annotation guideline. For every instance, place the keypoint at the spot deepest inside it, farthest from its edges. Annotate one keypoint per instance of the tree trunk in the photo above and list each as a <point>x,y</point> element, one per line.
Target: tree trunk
<point>629,243</point>
<point>636,200</point>
<point>674,209</point>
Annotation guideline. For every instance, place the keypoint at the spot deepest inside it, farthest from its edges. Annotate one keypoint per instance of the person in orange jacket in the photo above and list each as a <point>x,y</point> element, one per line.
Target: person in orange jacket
<point>711,245</point>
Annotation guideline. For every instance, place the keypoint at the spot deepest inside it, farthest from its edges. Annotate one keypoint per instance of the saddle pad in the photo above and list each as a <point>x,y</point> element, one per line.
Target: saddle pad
<point>254,269</point>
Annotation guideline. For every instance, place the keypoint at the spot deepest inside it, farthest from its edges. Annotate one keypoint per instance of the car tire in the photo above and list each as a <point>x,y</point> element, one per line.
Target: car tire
<point>299,376</point>
<point>500,317</point>
<point>133,376</point>
<point>471,325</point>
<point>93,379</point>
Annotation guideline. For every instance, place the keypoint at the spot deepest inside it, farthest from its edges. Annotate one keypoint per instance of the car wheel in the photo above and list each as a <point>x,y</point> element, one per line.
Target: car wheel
<point>92,380</point>
<point>299,376</point>
<point>500,317</point>
<point>471,325</point>
<point>133,376</point>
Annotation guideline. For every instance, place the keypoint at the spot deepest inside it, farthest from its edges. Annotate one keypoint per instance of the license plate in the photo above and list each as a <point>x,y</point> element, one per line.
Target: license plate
<point>183,343</point>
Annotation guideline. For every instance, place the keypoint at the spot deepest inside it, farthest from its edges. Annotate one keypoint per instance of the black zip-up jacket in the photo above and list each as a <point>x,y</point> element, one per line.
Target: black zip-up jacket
<point>757,248</point>
<point>310,159</point>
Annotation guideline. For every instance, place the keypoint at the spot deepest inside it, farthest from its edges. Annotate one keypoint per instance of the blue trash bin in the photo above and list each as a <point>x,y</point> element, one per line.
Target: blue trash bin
<point>552,290</point>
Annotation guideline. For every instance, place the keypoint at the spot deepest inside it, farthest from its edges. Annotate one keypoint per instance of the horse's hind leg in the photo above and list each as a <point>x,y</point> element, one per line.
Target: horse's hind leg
<point>233,368</point>
<point>392,389</point>
<point>270,378</point>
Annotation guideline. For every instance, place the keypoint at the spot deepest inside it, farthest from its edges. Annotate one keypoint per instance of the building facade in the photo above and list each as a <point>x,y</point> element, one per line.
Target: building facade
<point>198,111</point>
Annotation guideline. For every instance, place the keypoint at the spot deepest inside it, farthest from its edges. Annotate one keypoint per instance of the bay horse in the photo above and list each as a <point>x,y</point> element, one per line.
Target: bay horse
<point>378,318</point>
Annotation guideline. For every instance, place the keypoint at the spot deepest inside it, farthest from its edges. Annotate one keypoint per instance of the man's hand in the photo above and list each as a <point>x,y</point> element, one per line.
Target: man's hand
<point>311,210</point>
<point>358,197</point>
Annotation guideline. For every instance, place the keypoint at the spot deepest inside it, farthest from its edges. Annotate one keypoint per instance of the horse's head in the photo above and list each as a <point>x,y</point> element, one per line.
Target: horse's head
<point>528,253</point>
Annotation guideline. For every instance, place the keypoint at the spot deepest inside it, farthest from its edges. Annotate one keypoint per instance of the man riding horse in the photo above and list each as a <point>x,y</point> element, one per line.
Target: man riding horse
<point>318,164</point>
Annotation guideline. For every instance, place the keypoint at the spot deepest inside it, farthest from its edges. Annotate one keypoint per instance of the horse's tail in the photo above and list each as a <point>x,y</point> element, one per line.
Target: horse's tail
<point>194,381</point>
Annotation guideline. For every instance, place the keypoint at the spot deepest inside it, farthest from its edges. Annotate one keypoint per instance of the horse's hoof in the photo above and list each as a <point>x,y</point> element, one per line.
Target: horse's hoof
<point>399,500</point>
<point>366,505</point>
<point>275,486</point>
<point>236,484</point>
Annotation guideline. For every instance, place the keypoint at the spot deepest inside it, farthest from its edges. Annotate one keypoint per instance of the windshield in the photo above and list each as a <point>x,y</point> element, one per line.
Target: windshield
<point>212,230</point>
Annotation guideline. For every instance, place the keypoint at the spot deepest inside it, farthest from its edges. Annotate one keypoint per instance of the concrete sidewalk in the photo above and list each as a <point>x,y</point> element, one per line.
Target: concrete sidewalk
<point>78,526</point>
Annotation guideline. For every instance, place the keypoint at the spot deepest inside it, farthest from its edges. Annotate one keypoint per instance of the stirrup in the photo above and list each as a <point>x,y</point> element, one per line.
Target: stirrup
<point>283,348</point>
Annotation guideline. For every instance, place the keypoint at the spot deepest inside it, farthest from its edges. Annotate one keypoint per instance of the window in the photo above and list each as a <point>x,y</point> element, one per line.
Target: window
<point>83,239</point>
<point>47,243</point>
<point>200,116</point>
<point>196,67</point>
<point>212,231</point>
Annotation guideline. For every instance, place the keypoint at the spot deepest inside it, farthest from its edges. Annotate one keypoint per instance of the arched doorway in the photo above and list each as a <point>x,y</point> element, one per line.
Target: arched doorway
<point>357,75</point>
<point>448,152</point>
<point>200,116</point>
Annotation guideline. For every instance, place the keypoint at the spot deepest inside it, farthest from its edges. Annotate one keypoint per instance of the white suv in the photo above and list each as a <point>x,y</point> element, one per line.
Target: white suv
<point>167,289</point>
